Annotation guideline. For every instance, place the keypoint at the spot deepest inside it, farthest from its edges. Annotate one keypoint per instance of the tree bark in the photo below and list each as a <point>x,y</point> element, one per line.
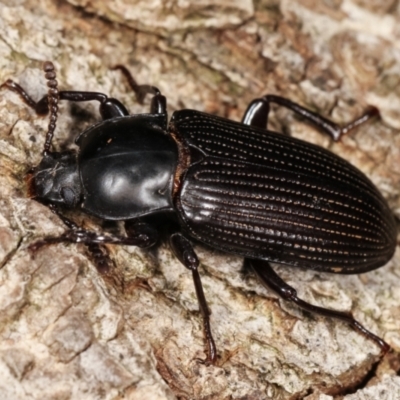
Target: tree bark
<point>67,333</point>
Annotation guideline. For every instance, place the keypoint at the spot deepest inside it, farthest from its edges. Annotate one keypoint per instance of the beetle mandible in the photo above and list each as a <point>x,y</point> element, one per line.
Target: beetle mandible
<point>236,187</point>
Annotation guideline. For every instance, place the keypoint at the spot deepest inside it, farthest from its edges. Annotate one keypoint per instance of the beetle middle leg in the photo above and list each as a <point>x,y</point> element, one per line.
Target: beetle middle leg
<point>270,279</point>
<point>185,253</point>
<point>158,101</point>
<point>258,110</point>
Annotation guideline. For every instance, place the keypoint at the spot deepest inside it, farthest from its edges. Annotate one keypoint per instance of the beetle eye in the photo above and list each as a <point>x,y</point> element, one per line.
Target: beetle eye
<point>69,196</point>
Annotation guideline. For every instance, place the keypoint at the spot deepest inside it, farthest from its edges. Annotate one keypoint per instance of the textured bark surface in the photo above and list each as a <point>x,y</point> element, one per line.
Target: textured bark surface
<point>65,332</point>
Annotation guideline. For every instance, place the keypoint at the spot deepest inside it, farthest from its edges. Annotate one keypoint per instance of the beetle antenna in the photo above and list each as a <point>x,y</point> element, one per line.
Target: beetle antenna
<point>53,97</point>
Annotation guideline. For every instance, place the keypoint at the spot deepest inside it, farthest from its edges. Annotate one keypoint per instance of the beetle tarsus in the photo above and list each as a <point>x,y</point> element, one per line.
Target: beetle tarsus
<point>385,347</point>
<point>270,279</point>
<point>140,239</point>
<point>38,244</point>
<point>41,107</point>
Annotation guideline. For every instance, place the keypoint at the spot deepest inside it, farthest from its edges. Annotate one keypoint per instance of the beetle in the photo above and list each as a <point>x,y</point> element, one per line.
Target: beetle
<point>236,187</point>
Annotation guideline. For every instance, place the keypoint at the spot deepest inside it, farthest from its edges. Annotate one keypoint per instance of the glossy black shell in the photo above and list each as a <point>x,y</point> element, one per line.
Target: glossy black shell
<point>260,194</point>
<point>126,167</point>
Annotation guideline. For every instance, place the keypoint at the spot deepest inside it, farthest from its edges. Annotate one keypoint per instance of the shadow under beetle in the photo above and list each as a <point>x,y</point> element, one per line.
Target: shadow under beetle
<point>236,187</point>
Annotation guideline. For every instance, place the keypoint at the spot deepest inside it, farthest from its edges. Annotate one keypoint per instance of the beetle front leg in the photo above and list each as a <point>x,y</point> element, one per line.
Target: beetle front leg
<point>269,278</point>
<point>185,253</point>
<point>144,236</point>
<point>139,234</point>
<point>109,107</point>
<point>257,115</point>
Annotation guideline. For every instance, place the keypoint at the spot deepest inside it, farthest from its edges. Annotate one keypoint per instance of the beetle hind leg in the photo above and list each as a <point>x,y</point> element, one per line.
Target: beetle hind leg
<point>271,280</point>
<point>257,115</point>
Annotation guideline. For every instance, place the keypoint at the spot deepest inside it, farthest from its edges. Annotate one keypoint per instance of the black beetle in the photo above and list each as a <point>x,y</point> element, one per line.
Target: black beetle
<point>236,187</point>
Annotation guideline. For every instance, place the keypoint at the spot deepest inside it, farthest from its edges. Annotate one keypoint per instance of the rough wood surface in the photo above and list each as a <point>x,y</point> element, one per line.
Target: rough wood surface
<point>66,333</point>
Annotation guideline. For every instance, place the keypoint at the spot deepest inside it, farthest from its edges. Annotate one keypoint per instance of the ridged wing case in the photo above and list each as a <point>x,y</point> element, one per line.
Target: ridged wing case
<point>261,194</point>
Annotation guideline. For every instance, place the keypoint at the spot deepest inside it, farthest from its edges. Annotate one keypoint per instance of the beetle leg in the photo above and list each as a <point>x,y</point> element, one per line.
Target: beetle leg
<point>185,253</point>
<point>41,107</point>
<point>144,236</point>
<point>109,107</point>
<point>257,115</point>
<point>138,234</point>
<point>158,102</point>
<point>271,280</point>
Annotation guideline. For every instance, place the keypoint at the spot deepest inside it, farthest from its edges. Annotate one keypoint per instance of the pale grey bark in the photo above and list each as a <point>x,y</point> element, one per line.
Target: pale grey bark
<point>65,333</point>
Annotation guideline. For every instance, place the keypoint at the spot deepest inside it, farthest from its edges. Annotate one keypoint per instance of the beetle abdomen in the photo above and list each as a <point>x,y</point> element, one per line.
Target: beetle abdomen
<point>263,195</point>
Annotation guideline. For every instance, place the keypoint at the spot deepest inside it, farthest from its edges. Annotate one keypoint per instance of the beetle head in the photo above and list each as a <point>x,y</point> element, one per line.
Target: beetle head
<point>56,180</point>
